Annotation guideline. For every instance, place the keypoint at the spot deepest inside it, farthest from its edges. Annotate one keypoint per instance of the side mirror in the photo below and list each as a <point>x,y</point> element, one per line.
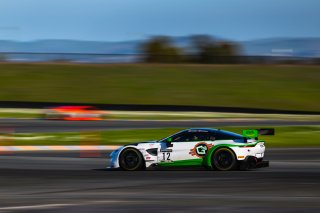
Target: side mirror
<point>168,142</point>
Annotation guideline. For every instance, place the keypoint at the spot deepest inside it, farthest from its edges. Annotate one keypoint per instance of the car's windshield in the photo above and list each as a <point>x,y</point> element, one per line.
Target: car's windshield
<point>171,136</point>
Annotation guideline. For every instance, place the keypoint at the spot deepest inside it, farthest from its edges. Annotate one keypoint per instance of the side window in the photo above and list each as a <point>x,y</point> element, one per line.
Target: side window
<point>177,137</point>
<point>188,136</point>
<point>201,136</point>
<point>183,137</point>
<point>226,136</point>
<point>211,136</point>
<point>193,136</point>
<point>221,136</point>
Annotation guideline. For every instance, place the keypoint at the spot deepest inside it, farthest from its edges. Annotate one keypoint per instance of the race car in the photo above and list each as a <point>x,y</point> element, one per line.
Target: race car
<point>73,113</point>
<point>205,147</point>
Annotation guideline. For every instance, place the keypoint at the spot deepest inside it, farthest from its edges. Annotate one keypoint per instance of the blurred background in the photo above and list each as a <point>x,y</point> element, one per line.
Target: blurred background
<point>212,32</point>
<point>207,53</point>
<point>198,63</point>
<point>96,74</point>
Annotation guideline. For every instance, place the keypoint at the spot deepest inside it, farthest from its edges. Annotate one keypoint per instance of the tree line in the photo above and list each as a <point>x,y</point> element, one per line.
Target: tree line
<point>202,49</point>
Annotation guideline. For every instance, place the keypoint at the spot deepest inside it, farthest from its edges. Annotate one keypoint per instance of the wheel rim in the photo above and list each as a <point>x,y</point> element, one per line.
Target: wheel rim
<point>130,160</point>
<point>224,160</point>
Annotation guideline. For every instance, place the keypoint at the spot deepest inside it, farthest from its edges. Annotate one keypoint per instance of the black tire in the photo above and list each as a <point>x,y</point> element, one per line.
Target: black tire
<point>131,159</point>
<point>224,159</point>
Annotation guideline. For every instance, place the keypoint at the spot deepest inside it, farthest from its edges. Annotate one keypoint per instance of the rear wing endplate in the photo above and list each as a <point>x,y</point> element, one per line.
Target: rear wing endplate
<point>254,133</point>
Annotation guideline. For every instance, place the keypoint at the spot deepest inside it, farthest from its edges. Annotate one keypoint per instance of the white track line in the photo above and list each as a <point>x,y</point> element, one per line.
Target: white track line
<point>58,205</point>
<point>44,206</point>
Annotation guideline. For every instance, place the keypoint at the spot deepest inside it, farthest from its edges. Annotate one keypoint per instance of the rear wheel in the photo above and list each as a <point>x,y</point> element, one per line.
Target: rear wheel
<point>224,159</point>
<point>131,160</point>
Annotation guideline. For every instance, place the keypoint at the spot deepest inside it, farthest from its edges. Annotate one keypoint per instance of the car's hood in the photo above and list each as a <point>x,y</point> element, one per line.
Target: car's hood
<point>144,144</point>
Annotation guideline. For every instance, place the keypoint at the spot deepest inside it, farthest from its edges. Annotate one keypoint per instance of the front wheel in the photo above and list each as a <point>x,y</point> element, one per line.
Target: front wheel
<point>131,160</point>
<point>224,159</point>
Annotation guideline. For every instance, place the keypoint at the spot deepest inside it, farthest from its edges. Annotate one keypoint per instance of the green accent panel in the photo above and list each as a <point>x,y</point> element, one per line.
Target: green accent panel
<point>250,133</point>
<point>190,162</point>
<point>207,159</point>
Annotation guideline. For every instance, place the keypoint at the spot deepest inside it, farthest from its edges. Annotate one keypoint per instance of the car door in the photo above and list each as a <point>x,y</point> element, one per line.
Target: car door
<point>186,145</point>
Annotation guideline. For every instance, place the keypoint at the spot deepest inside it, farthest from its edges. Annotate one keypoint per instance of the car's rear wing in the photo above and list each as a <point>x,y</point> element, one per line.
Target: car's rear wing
<point>254,133</point>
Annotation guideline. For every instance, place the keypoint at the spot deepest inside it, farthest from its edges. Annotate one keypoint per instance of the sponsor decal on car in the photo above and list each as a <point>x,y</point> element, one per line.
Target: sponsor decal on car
<point>165,150</point>
<point>166,155</point>
<point>200,149</point>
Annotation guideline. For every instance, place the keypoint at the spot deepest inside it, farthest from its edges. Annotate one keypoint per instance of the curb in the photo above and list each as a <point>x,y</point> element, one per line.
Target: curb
<point>57,148</point>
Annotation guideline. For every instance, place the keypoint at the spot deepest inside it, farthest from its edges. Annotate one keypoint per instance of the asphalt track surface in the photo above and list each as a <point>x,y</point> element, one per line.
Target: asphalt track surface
<point>37,125</point>
<point>73,182</point>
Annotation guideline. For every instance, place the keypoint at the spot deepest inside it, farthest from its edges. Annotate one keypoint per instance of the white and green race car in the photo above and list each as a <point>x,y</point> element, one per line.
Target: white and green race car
<point>210,148</point>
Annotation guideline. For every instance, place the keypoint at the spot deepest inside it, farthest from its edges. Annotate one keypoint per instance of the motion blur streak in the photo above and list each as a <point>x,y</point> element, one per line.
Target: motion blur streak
<point>64,182</point>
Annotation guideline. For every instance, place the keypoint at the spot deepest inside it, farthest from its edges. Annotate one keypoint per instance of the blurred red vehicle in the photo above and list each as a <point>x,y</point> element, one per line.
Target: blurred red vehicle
<point>74,113</point>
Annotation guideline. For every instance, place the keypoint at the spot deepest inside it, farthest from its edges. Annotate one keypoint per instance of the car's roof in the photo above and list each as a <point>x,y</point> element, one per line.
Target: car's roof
<point>212,130</point>
<point>202,129</point>
<point>206,130</point>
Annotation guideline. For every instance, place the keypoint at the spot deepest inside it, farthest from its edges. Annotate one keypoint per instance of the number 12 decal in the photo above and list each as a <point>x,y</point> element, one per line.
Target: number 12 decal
<point>166,156</point>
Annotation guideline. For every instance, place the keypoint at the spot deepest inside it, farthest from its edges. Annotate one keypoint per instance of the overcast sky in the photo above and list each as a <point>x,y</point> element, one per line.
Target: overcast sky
<point>117,20</point>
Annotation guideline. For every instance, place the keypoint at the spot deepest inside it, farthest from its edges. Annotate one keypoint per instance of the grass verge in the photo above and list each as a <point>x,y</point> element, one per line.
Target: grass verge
<point>252,86</point>
<point>158,115</point>
<point>293,136</point>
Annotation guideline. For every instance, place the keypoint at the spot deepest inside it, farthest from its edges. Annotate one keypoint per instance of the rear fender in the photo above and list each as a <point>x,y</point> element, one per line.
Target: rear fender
<point>207,159</point>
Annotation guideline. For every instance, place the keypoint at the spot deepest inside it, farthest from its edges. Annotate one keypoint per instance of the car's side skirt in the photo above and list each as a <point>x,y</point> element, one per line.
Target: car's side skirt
<point>189,162</point>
